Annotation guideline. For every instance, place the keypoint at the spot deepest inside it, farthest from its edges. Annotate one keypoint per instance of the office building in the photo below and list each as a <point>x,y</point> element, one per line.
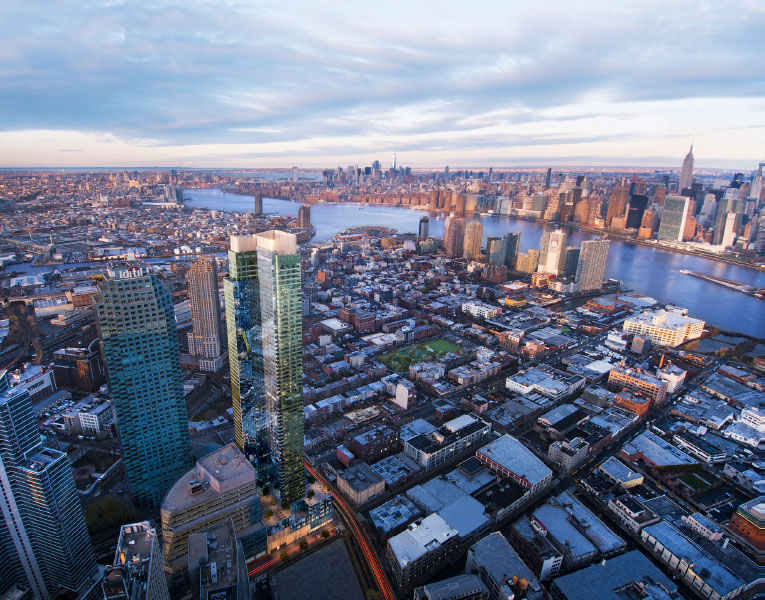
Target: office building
<point>136,572</point>
<point>591,265</point>
<point>454,236</point>
<point>304,216</point>
<point>44,541</point>
<point>501,570</point>
<point>461,587</point>
<point>552,255</point>
<point>508,457</point>
<point>639,383</point>
<point>473,240</point>
<point>686,173</point>
<point>79,369</point>
<point>512,244</point>
<point>495,250</point>
<point>673,217</point>
<point>245,354</point>
<point>282,326</point>
<point>205,338</point>
<point>637,205</point>
<point>424,227</point>
<point>617,204</point>
<point>222,486</point>
<point>136,324</point>
<point>217,567</point>
<point>663,327</point>
<point>257,208</point>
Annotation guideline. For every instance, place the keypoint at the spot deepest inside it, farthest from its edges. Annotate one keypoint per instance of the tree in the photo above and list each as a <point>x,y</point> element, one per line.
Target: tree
<point>269,514</point>
<point>373,595</point>
<point>284,556</point>
<point>310,494</point>
<point>324,533</point>
<point>303,544</point>
<point>311,479</point>
<point>108,512</point>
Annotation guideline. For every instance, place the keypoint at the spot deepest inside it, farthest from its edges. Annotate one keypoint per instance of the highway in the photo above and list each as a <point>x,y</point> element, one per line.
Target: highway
<point>349,517</point>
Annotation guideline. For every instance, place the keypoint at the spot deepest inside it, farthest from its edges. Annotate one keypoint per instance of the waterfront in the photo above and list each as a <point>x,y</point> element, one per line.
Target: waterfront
<point>651,271</point>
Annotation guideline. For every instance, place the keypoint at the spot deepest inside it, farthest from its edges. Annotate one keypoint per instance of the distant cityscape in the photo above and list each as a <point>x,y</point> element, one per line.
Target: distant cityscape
<point>218,404</point>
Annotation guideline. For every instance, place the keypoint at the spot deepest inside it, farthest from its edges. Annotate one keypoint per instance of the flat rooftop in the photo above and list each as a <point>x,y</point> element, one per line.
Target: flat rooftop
<point>511,454</point>
<point>396,512</point>
<point>495,554</point>
<point>658,451</point>
<point>420,538</point>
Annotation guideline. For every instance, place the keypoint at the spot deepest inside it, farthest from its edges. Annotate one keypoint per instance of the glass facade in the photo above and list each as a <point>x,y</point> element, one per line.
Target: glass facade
<point>136,324</point>
<point>673,218</point>
<point>242,293</point>
<point>45,544</point>
<point>282,334</point>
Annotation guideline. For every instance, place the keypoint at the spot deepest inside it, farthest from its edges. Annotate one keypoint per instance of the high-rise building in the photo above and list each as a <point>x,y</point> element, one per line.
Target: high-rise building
<point>512,243</point>
<point>44,542</point>
<point>552,255</point>
<point>217,567</point>
<point>454,236</point>
<point>473,239</point>
<point>686,173</point>
<point>548,178</point>
<point>295,177</point>
<point>279,271</point>
<point>617,203</point>
<point>424,227</point>
<point>636,208</point>
<point>304,216</point>
<point>136,324</point>
<point>673,217</point>
<point>136,572</point>
<point>732,221</point>
<point>222,486</point>
<point>245,353</point>
<point>591,267</point>
<point>755,191</point>
<point>205,337</point>
<point>79,368</point>
<point>258,204</point>
<point>495,250</point>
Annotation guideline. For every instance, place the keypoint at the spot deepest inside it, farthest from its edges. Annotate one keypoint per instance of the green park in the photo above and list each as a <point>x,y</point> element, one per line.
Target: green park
<point>400,360</point>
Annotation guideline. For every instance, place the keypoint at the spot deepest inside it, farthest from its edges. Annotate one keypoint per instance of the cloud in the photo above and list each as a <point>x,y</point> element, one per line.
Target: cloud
<point>420,77</point>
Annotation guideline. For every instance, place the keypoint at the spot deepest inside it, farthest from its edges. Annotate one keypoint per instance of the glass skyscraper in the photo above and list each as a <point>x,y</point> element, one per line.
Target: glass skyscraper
<point>242,292</point>
<point>44,545</point>
<point>279,271</point>
<point>136,324</point>
<point>673,218</point>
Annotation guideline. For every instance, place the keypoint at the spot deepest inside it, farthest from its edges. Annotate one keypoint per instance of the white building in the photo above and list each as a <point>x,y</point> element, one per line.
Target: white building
<point>481,309</point>
<point>664,328</point>
<point>421,548</point>
<point>509,457</point>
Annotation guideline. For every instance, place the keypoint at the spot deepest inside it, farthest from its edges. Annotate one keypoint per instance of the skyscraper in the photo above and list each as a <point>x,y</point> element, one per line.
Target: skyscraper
<point>756,190</point>
<point>473,240</point>
<point>281,319</point>
<point>686,173</point>
<point>136,572</point>
<point>638,204</point>
<point>454,236</point>
<point>205,338</point>
<point>304,216</point>
<point>617,203</point>
<point>495,250</point>
<point>295,177</point>
<point>591,266</point>
<point>512,243</point>
<point>245,354</point>
<point>673,218</point>
<point>258,204</point>
<point>44,542</point>
<point>552,256</point>
<point>424,227</point>
<point>136,324</point>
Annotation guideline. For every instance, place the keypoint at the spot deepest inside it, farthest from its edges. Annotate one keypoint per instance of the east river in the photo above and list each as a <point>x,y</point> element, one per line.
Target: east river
<point>646,270</point>
<point>650,271</point>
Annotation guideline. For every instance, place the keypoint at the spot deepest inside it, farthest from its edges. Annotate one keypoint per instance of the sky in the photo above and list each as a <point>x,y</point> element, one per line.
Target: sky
<point>257,84</point>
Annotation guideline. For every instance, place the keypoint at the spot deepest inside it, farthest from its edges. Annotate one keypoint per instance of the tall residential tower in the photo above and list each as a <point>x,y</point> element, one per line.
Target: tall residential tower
<point>136,324</point>
<point>205,338</point>
<point>279,272</point>
<point>473,240</point>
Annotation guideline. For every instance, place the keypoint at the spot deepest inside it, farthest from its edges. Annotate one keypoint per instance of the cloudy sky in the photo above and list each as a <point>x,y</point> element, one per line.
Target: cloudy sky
<point>253,83</point>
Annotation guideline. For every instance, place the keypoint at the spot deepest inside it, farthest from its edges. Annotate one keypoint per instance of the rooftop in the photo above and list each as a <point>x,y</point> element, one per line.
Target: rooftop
<point>501,562</point>
<point>220,471</point>
<point>613,575</point>
<point>510,453</point>
<point>360,476</point>
<point>657,450</point>
<point>421,537</point>
<point>454,588</point>
<point>215,553</point>
<point>396,512</point>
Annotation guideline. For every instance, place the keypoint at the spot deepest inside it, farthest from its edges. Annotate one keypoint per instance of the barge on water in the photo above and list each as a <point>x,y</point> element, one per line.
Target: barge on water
<point>733,285</point>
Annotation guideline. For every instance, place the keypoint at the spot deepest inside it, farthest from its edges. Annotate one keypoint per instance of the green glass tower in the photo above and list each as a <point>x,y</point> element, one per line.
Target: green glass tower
<point>282,333</point>
<point>242,292</point>
<point>44,543</point>
<point>136,324</point>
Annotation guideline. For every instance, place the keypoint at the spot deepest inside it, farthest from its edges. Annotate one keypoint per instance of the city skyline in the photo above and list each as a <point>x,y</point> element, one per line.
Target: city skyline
<point>329,87</point>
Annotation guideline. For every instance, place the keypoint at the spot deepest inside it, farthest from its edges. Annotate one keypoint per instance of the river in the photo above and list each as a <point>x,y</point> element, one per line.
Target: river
<point>650,271</point>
